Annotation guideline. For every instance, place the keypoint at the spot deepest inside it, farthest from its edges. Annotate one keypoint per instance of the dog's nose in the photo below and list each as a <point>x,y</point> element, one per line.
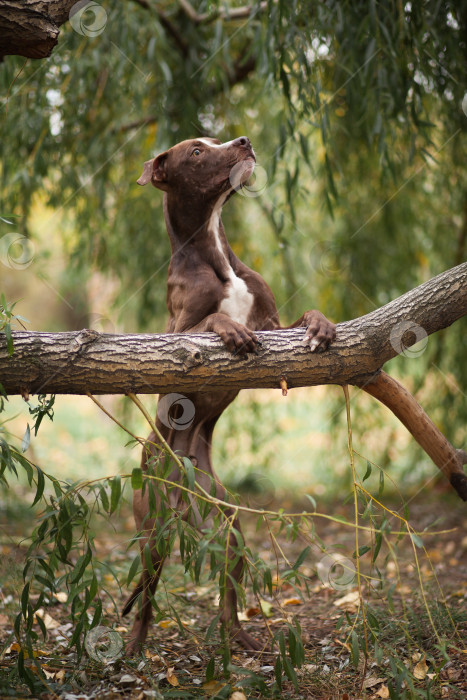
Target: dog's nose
<point>242,141</point>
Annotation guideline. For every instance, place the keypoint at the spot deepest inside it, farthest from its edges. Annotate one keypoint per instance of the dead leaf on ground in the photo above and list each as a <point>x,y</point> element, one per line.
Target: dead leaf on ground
<point>245,615</point>
<point>49,622</point>
<point>61,596</point>
<point>17,647</point>
<point>213,687</point>
<point>292,601</point>
<point>237,695</point>
<point>420,670</point>
<point>383,692</point>
<point>163,624</point>
<point>348,602</point>
<point>171,677</point>
<point>371,681</point>
<point>266,608</point>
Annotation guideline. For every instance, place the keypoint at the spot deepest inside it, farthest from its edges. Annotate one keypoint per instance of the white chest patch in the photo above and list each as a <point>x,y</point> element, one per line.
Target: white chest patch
<point>238,302</point>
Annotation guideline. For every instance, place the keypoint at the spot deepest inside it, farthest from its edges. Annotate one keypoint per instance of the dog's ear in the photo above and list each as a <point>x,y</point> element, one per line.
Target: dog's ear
<point>154,171</point>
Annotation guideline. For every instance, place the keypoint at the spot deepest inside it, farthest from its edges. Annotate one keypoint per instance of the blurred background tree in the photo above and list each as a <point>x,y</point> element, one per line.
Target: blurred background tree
<point>355,110</point>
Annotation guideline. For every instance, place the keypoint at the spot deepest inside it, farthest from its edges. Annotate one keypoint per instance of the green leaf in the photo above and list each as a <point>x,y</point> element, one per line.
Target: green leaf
<point>418,542</point>
<point>312,501</point>
<point>40,486</point>
<point>278,672</point>
<point>190,473</point>
<point>378,542</point>
<point>301,558</point>
<point>148,559</point>
<point>368,471</point>
<point>133,569</point>
<point>210,669</point>
<point>115,492</point>
<point>136,478</point>
<point>25,599</point>
<point>381,482</point>
<point>354,650</point>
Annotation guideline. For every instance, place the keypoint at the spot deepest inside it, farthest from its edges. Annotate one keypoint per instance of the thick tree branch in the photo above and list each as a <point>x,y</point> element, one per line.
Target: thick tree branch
<point>77,362</point>
<point>91,362</point>
<point>31,27</point>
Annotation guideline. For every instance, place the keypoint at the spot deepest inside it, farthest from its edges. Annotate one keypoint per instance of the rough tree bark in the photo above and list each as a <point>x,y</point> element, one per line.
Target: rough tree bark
<point>31,27</point>
<point>88,361</point>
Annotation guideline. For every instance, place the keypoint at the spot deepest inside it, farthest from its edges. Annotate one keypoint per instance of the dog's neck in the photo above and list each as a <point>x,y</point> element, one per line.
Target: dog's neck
<point>197,226</point>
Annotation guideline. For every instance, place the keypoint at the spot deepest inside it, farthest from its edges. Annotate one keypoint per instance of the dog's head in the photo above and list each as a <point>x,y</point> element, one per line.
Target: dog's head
<point>203,167</point>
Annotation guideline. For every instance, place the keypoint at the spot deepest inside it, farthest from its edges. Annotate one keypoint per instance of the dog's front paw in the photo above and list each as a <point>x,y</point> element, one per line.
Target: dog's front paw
<point>319,331</point>
<point>238,339</point>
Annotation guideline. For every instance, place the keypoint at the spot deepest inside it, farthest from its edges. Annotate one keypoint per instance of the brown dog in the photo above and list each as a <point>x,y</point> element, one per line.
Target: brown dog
<point>208,289</point>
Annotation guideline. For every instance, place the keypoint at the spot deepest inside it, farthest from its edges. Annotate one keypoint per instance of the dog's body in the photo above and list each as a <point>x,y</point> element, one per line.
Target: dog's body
<point>209,289</point>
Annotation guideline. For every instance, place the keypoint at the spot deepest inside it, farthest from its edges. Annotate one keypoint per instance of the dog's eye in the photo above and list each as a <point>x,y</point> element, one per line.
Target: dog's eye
<point>196,152</point>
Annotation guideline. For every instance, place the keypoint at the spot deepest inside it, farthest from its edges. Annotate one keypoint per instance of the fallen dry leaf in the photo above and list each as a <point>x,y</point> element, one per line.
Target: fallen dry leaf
<point>292,601</point>
<point>348,602</point>
<point>420,670</point>
<point>371,681</point>
<point>171,677</point>
<point>61,596</point>
<point>16,647</point>
<point>213,687</point>
<point>266,608</point>
<point>383,692</point>
<point>49,622</point>
<point>237,695</point>
<point>163,624</point>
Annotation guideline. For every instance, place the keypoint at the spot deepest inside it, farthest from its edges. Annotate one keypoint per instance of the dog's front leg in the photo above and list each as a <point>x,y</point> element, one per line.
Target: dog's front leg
<point>320,332</point>
<point>238,338</point>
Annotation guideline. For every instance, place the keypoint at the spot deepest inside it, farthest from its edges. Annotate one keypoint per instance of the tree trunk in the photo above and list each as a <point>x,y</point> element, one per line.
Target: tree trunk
<point>31,27</point>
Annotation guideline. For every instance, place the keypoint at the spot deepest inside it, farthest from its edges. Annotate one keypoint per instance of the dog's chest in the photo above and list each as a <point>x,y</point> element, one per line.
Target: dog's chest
<point>238,301</point>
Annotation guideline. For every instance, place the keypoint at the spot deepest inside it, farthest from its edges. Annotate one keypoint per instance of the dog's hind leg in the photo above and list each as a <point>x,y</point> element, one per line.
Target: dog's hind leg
<point>144,592</point>
<point>229,603</point>
<point>235,563</point>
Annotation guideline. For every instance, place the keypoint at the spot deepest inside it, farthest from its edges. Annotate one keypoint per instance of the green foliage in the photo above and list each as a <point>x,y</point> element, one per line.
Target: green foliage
<point>354,109</point>
<point>62,557</point>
